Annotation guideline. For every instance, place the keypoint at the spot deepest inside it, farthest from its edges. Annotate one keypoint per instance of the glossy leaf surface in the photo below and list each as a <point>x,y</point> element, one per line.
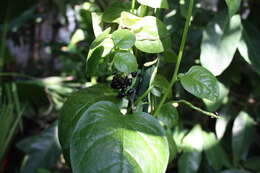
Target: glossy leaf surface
<point>125,62</point>
<point>123,38</point>
<point>73,108</point>
<point>201,83</point>
<point>117,143</point>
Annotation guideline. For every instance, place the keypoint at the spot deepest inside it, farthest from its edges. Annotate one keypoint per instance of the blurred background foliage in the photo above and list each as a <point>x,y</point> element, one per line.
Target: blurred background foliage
<point>43,47</point>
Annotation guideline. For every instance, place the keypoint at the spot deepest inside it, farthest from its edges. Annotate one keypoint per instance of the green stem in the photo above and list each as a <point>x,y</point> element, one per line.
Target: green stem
<point>133,6</point>
<point>143,10</point>
<point>183,41</point>
<point>197,108</point>
<point>144,95</point>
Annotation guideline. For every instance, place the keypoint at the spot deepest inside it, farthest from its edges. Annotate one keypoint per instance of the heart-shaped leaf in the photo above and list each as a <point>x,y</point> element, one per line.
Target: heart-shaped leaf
<point>201,83</point>
<point>151,35</point>
<point>123,38</point>
<point>73,108</point>
<point>219,43</point>
<point>105,140</point>
<point>154,3</point>
<point>125,62</point>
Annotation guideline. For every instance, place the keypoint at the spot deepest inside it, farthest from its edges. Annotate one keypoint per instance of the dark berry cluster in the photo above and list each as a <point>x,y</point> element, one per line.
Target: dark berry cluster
<point>122,83</point>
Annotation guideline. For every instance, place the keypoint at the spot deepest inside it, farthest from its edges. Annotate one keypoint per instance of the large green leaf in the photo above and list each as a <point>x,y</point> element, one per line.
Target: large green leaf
<point>43,151</point>
<point>154,3</point>
<point>151,35</point>
<point>73,108</point>
<point>190,160</point>
<point>233,6</point>
<point>112,14</point>
<point>168,115</point>
<point>216,156</point>
<point>125,62</point>
<point>242,136</point>
<point>201,83</point>
<point>105,140</point>
<point>123,38</point>
<point>219,43</point>
<point>249,47</point>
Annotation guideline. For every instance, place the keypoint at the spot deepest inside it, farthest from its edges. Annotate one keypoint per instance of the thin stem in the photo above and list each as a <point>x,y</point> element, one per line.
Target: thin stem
<point>183,41</point>
<point>197,108</point>
<point>133,6</point>
<point>144,95</point>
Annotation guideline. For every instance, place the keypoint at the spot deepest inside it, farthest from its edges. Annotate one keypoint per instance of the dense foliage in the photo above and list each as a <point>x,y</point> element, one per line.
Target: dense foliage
<point>141,86</point>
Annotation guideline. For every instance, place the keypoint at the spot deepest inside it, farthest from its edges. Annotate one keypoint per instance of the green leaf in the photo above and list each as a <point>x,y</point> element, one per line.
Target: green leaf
<point>43,151</point>
<point>154,3</point>
<point>190,160</point>
<point>216,156</point>
<point>172,145</point>
<point>112,14</point>
<point>72,110</point>
<point>219,43</point>
<point>234,171</point>
<point>249,47</point>
<point>201,83</point>
<point>178,136</point>
<point>98,56</point>
<point>117,143</point>
<point>253,164</point>
<point>100,39</point>
<point>162,84</point>
<point>222,123</point>
<point>123,38</point>
<point>151,35</point>
<point>193,140</point>
<point>233,6</point>
<point>212,106</point>
<point>168,115</point>
<point>128,20</point>
<point>99,62</point>
<point>242,136</point>
<point>125,62</point>
<point>97,23</point>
